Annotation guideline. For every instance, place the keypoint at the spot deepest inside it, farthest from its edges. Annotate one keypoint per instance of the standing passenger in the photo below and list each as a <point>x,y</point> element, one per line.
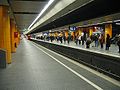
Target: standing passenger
<point>79,39</point>
<point>60,39</point>
<point>116,38</point>
<point>88,41</point>
<point>82,38</point>
<point>76,40</point>
<point>64,38</point>
<point>107,42</point>
<point>118,43</point>
<point>96,40</point>
<point>68,39</point>
<point>101,41</point>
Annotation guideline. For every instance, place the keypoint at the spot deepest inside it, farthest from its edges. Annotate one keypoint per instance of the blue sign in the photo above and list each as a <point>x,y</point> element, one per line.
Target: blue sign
<point>72,28</point>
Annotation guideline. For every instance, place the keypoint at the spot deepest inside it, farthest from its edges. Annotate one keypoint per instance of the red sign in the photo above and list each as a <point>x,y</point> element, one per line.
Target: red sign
<point>15,34</point>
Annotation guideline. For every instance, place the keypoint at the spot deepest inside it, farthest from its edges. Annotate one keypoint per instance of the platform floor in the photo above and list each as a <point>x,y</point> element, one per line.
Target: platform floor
<point>37,68</point>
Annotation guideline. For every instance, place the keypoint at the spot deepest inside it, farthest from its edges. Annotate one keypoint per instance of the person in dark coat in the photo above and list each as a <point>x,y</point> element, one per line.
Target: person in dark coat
<point>88,41</point>
<point>118,43</point>
<point>101,39</point>
<point>68,39</point>
<point>64,38</point>
<point>76,40</point>
<point>96,40</point>
<point>60,39</point>
<point>107,42</point>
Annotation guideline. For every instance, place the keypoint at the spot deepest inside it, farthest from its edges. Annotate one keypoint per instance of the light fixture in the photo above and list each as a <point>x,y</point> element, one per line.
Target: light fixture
<point>117,23</point>
<point>40,14</point>
<point>95,27</point>
<point>117,20</point>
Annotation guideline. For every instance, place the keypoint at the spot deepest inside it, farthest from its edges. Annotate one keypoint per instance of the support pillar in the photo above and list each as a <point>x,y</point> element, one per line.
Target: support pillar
<point>90,31</point>
<point>80,31</point>
<point>18,37</point>
<point>5,42</point>
<point>12,29</point>
<point>108,30</point>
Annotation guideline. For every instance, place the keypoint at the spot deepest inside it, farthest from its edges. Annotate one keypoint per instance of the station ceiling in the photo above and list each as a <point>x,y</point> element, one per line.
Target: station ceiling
<point>95,9</point>
<point>25,11</point>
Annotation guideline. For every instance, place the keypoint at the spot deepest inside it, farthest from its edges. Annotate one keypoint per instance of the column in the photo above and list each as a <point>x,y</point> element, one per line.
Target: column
<point>5,42</point>
<point>90,31</point>
<point>18,37</point>
<point>108,30</point>
<point>12,30</point>
<point>80,31</point>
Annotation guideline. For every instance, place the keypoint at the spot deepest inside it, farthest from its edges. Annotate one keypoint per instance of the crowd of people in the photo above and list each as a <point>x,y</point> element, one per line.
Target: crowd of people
<point>97,39</point>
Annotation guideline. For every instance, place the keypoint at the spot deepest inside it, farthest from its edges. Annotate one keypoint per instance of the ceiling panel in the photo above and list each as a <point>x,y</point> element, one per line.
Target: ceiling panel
<point>31,0</point>
<point>25,11</point>
<point>28,6</point>
<point>24,19</point>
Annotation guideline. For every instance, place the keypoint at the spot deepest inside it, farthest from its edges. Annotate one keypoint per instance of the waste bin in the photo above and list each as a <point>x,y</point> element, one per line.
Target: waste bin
<point>2,58</point>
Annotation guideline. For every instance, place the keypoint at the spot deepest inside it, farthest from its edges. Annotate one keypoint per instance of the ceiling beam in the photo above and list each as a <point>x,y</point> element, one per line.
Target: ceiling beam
<point>32,0</point>
<point>10,5</point>
<point>26,12</point>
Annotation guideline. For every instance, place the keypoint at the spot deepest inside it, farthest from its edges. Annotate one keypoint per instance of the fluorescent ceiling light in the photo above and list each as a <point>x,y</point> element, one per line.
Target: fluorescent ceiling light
<point>116,20</point>
<point>40,14</point>
<point>117,23</point>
